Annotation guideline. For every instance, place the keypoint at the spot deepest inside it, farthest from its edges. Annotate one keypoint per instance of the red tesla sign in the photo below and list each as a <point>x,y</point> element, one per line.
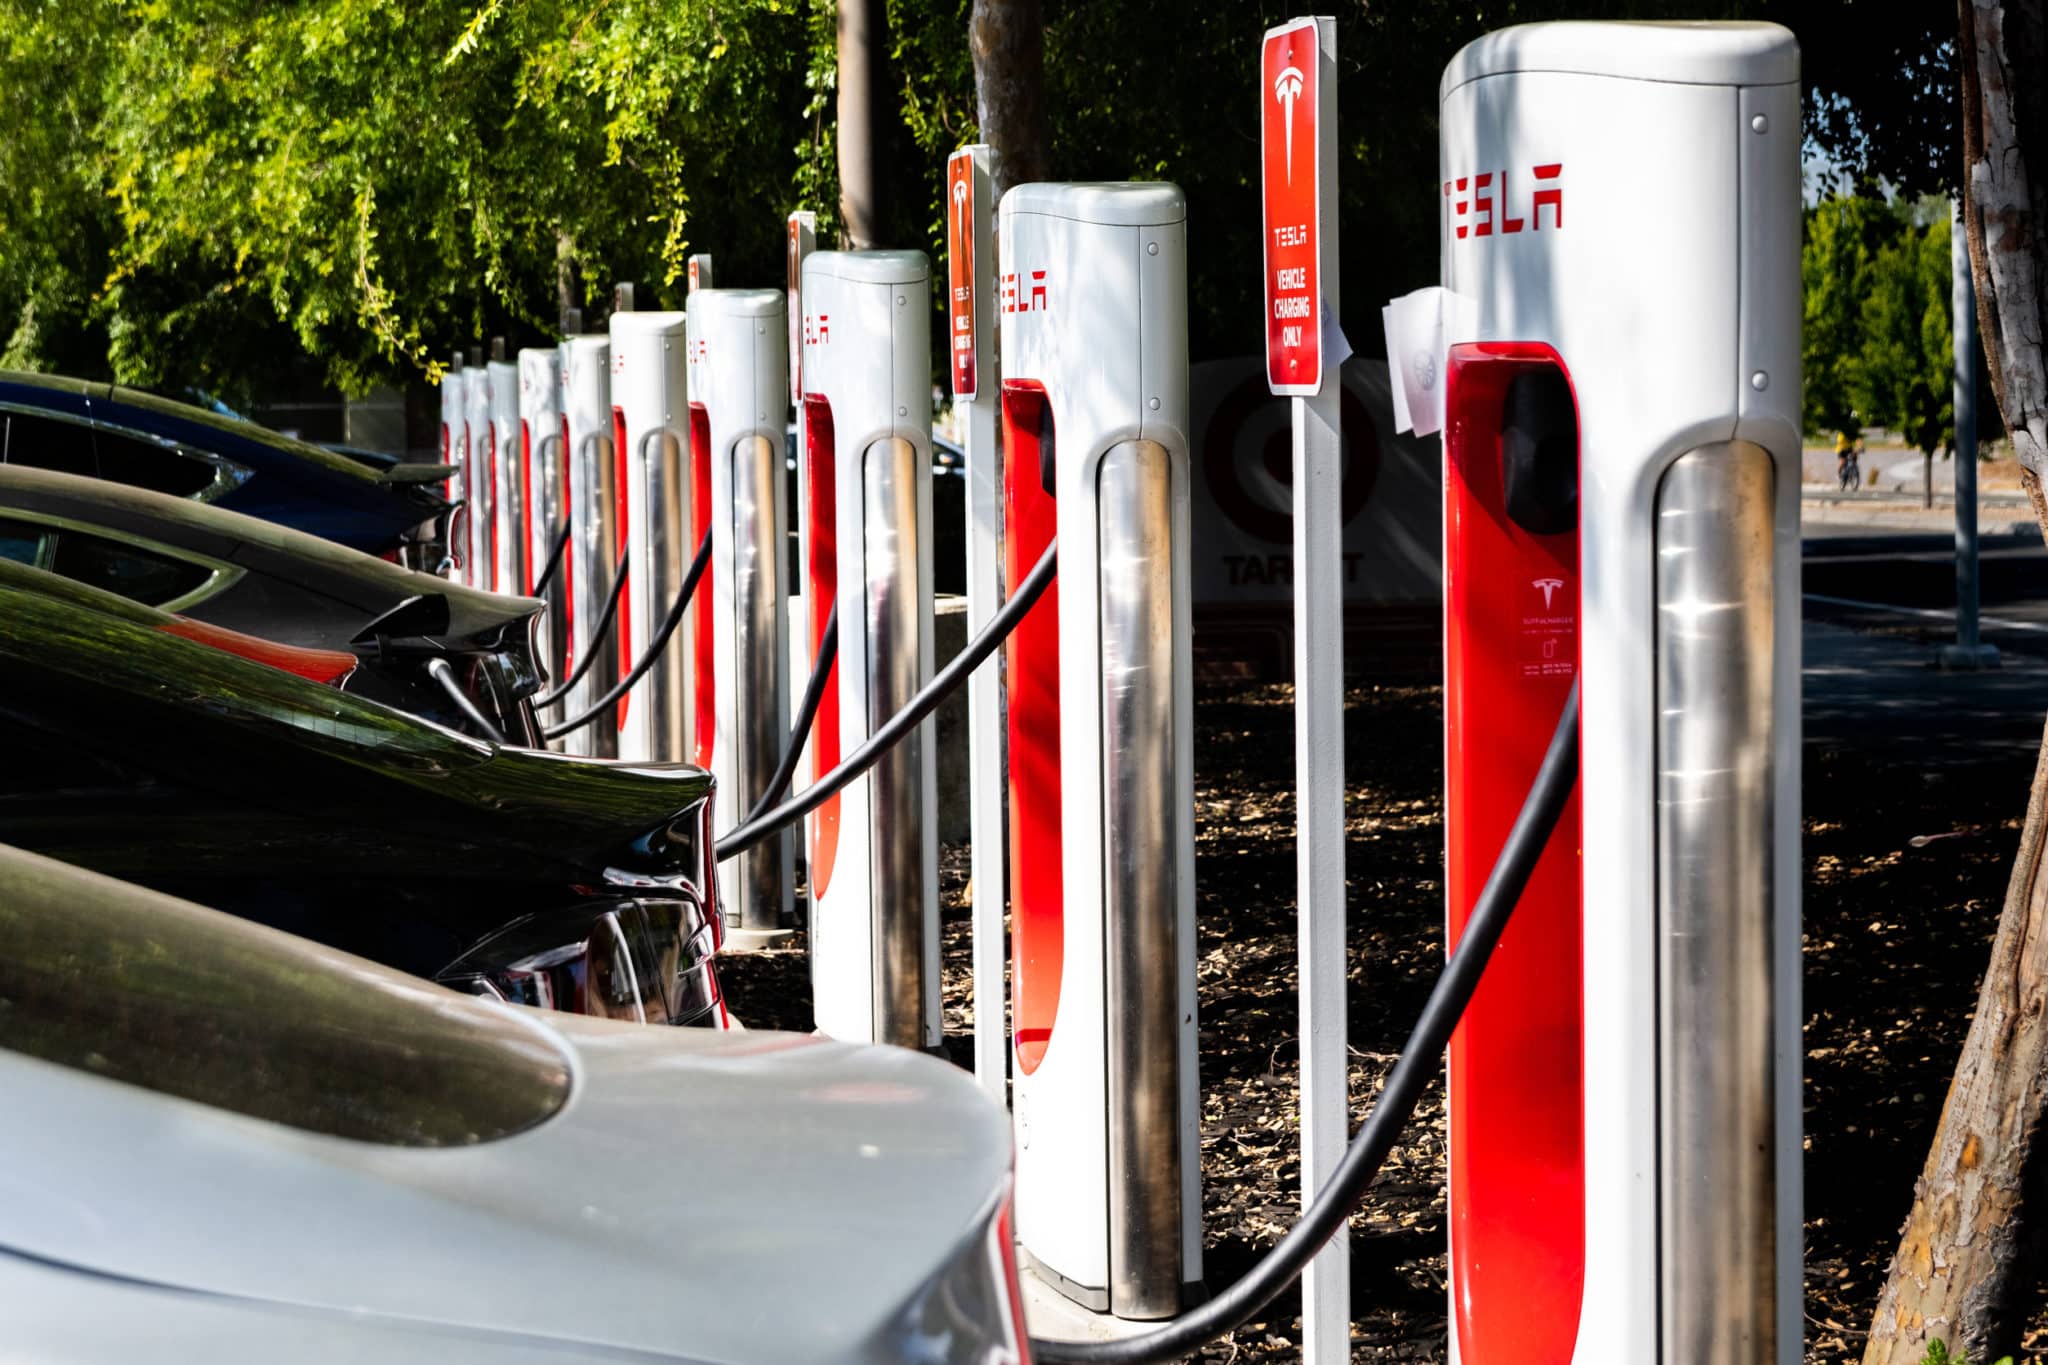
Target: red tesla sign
<point>961,210</point>
<point>1290,169</point>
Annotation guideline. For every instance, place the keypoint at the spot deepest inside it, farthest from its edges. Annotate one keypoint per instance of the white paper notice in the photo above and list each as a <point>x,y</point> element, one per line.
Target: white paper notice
<point>1336,347</point>
<point>1420,328</point>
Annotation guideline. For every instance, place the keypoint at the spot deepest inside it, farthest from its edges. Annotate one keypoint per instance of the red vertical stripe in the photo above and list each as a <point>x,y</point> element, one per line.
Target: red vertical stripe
<point>1517,1168</point>
<point>568,557</point>
<point>624,623</point>
<point>1037,911</point>
<point>821,568</point>
<point>528,568</point>
<point>704,664</point>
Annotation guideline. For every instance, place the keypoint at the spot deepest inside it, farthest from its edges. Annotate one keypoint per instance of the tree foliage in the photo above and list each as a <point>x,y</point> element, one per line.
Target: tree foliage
<point>1878,344</point>
<point>221,192</point>
<point>1906,371</point>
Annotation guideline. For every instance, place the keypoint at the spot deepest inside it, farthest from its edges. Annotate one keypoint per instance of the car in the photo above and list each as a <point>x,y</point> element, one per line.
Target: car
<point>218,566</point>
<point>128,436</point>
<point>227,1143</point>
<point>235,772</point>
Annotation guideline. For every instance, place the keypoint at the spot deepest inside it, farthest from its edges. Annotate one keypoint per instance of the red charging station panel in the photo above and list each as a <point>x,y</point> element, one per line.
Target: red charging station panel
<point>704,652</point>
<point>821,575</point>
<point>1511,653</point>
<point>568,559</point>
<point>526,505</point>
<point>1032,680</point>
<point>624,624</point>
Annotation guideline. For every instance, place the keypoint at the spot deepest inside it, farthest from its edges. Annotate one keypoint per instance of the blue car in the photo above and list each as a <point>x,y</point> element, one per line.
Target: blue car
<point>127,436</point>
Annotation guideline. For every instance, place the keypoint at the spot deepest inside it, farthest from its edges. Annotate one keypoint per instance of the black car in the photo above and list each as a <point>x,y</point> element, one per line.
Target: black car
<point>127,436</point>
<point>226,569</point>
<point>178,764</point>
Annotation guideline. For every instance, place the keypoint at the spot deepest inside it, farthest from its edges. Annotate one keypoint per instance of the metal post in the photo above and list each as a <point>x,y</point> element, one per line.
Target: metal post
<point>1968,651</point>
<point>970,275</point>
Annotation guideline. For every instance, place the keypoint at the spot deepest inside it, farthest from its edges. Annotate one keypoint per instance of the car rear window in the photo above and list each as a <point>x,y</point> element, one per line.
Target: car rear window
<point>146,464</point>
<point>109,979</point>
<point>48,443</point>
<point>125,570</point>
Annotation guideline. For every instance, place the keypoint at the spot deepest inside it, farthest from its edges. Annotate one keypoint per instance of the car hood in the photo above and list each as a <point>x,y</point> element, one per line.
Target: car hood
<point>701,1196</point>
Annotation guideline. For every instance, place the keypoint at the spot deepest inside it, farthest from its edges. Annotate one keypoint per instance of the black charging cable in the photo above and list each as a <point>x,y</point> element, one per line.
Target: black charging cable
<point>440,672</point>
<point>1411,1076</point>
<point>806,716</point>
<point>554,560</point>
<point>597,636</point>
<point>654,646</point>
<point>944,682</point>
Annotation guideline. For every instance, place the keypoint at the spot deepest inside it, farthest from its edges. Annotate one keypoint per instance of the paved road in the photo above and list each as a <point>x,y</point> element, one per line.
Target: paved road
<point>1915,573</point>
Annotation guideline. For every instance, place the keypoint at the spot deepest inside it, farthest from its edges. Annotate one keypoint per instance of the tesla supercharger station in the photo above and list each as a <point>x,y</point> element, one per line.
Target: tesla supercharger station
<point>739,404</point>
<point>476,470</point>
<point>455,452</point>
<point>543,491</point>
<point>1621,218</point>
<point>865,481</point>
<point>508,504</point>
<point>668,510</point>
<point>596,517</point>
<point>1093,297</point>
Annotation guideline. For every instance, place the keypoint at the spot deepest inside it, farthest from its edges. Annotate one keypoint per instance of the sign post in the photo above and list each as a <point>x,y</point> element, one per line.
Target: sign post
<point>801,233</point>
<point>970,289</point>
<point>1298,142</point>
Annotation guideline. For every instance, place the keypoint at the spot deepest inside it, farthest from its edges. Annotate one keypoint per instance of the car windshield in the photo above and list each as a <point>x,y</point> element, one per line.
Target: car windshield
<point>109,979</point>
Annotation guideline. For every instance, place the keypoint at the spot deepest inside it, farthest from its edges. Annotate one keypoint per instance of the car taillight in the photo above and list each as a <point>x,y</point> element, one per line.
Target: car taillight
<point>329,666</point>
<point>1003,1234</point>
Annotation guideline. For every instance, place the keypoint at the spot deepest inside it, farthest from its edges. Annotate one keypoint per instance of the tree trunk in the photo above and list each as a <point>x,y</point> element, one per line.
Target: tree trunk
<point>1007,38</point>
<point>568,292</point>
<point>863,51</point>
<point>1959,1274</point>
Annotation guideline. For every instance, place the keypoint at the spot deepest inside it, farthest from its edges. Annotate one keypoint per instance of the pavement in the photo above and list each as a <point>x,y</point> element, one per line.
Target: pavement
<point>1859,685</point>
<point>1879,588</point>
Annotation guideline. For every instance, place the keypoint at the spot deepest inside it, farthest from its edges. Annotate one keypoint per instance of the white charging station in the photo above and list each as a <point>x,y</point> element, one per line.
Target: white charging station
<point>865,486</point>
<point>739,405</point>
<point>596,534</point>
<point>455,453</point>
<point>476,426</point>
<point>667,513</point>
<point>508,505</point>
<point>544,493</point>
<point>1620,208</point>
<point>1093,298</point>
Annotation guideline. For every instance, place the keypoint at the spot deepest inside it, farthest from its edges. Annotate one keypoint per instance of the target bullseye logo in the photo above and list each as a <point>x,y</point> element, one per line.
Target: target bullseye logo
<point>1247,459</point>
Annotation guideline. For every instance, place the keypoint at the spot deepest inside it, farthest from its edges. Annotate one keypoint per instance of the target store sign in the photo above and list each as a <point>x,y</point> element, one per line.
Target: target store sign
<point>1290,72</point>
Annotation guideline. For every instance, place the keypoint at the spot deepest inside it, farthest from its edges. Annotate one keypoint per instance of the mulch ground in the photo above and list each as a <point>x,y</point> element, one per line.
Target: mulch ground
<point>1896,937</point>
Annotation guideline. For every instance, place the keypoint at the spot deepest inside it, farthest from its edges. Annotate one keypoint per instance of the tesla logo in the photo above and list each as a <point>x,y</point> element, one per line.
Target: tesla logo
<point>1480,206</point>
<point>618,362</point>
<point>1548,587</point>
<point>1287,89</point>
<point>1028,297</point>
<point>699,350</point>
<point>817,329</point>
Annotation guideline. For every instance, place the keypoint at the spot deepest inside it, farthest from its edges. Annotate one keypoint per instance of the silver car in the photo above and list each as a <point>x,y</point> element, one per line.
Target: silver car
<point>222,1142</point>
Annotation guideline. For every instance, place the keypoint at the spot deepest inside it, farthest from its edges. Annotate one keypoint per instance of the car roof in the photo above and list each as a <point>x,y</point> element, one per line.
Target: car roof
<point>361,580</point>
<point>112,679</point>
<point>214,432</point>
